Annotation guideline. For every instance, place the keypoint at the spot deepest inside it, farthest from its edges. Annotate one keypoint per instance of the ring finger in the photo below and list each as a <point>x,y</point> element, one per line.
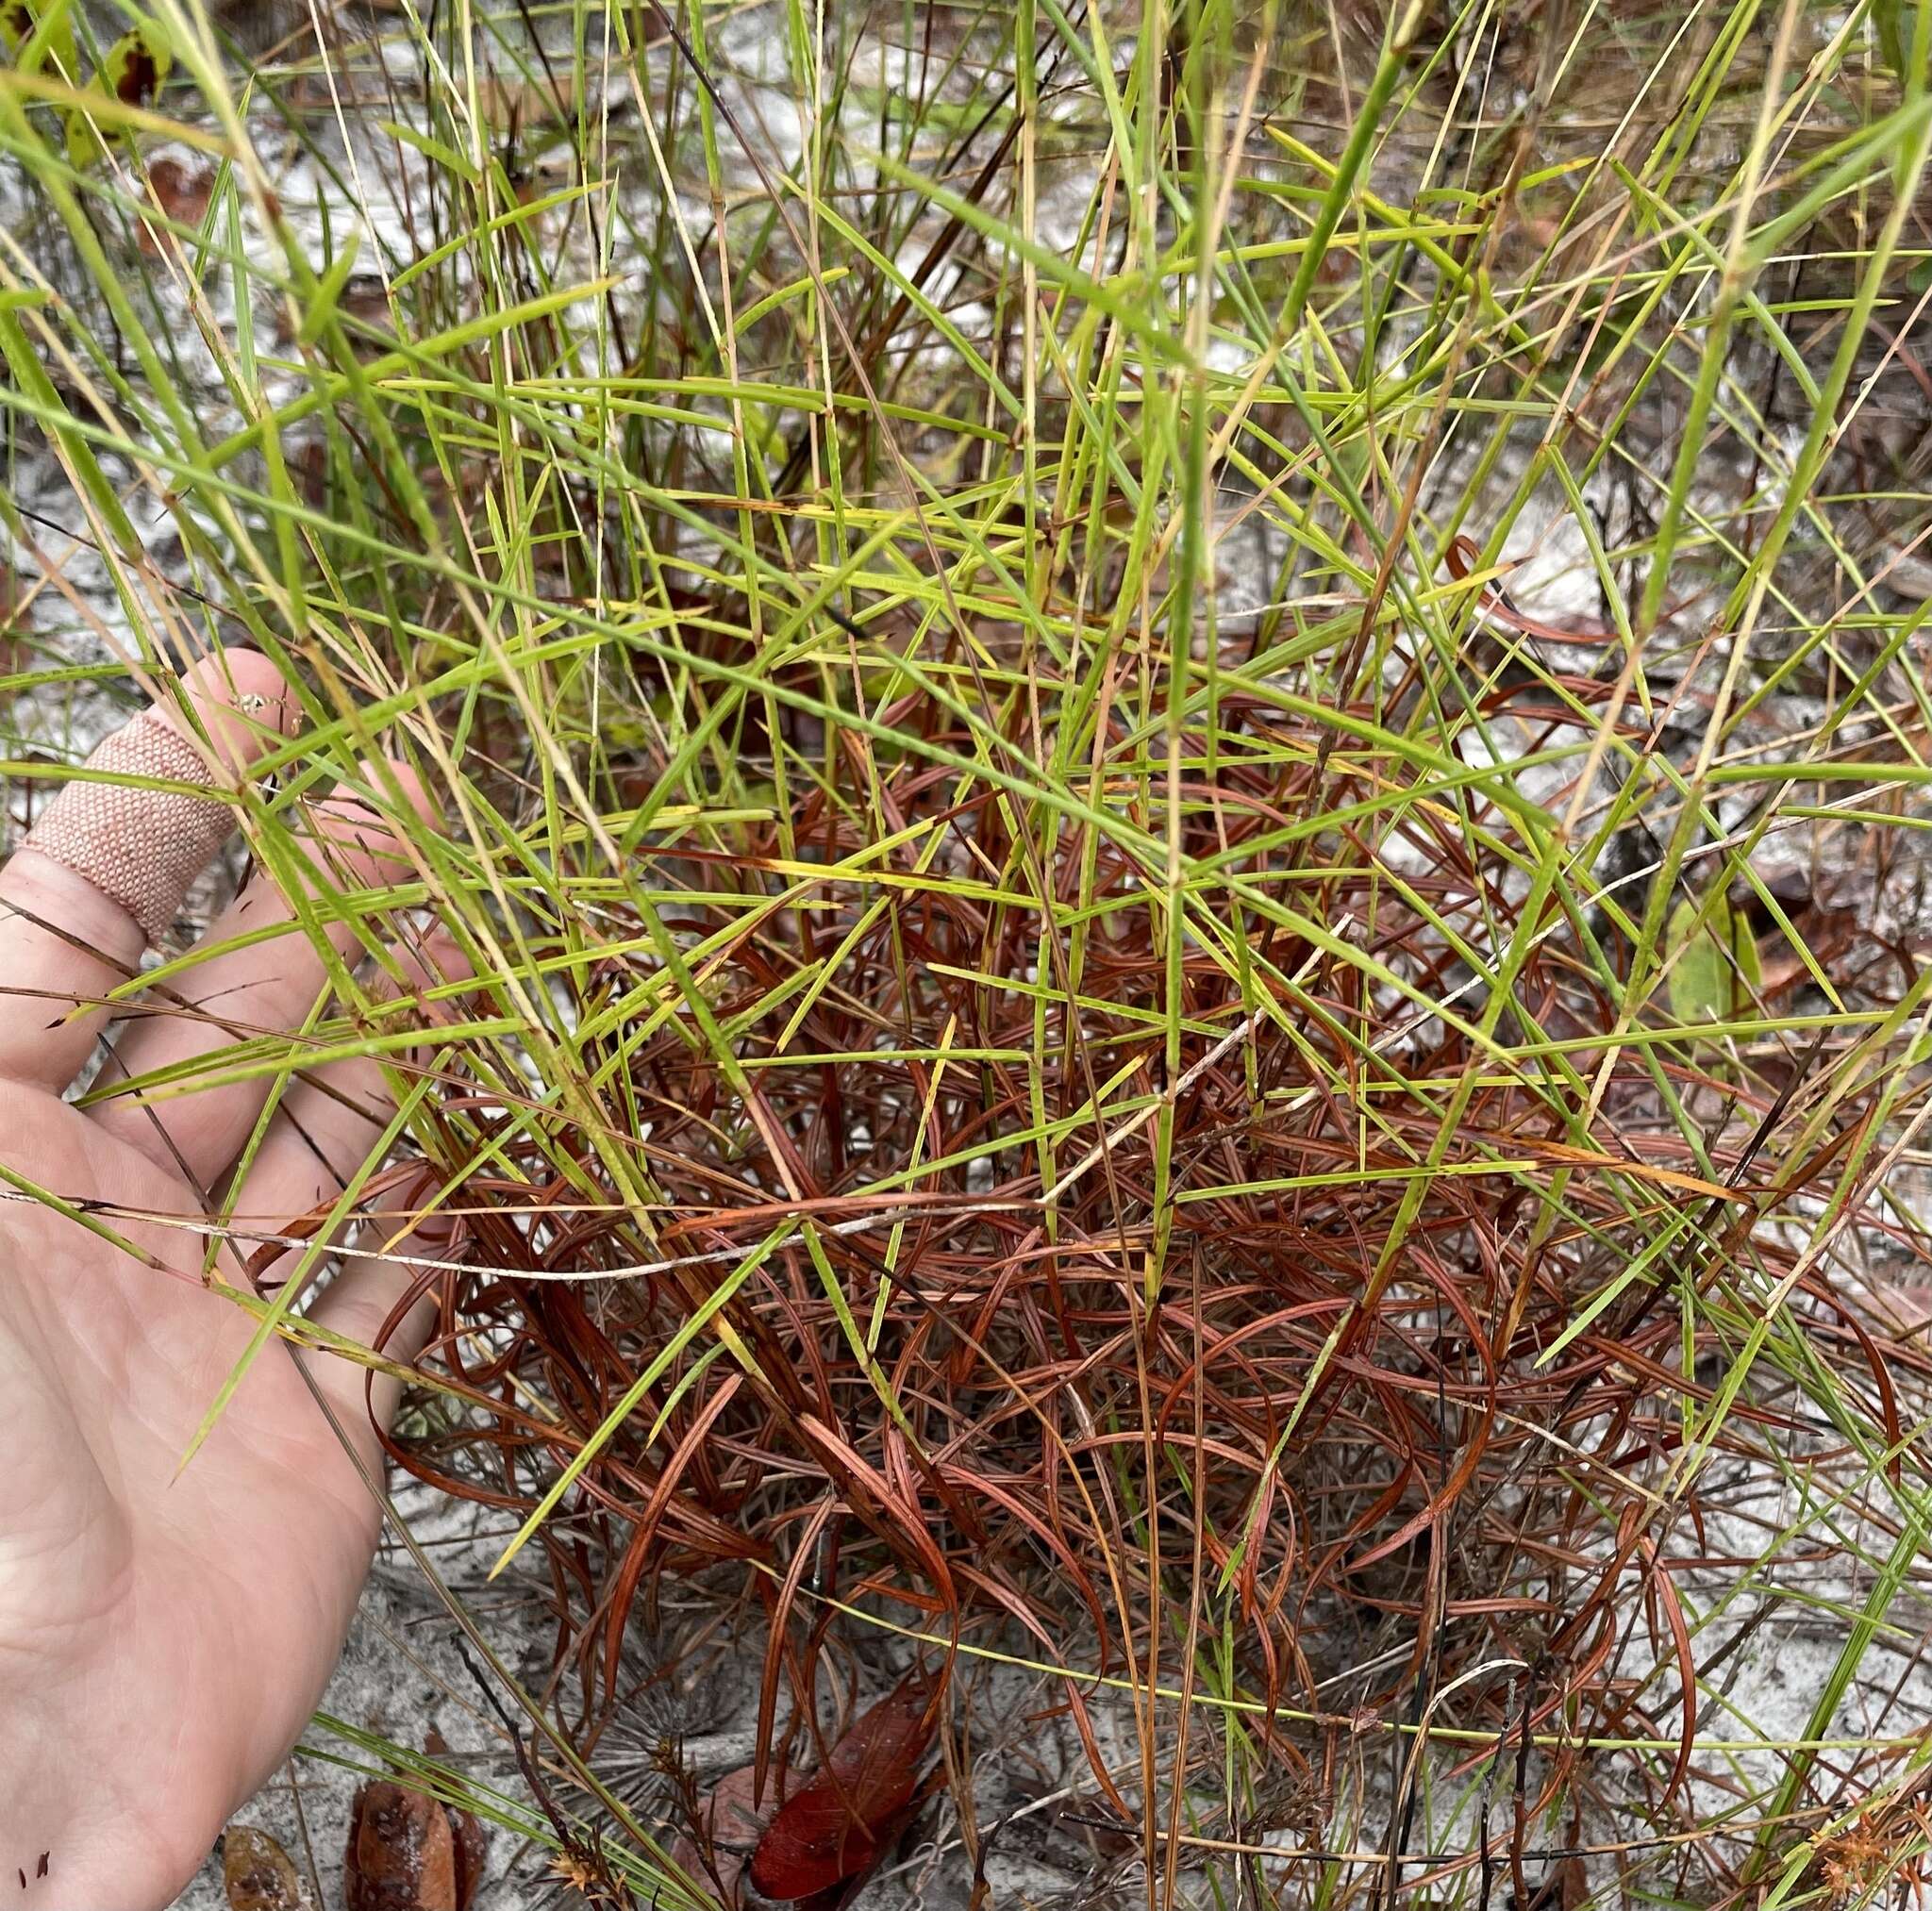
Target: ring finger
<point>261,984</point>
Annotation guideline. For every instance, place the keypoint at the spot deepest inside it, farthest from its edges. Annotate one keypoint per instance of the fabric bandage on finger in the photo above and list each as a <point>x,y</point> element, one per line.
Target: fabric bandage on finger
<point>140,848</point>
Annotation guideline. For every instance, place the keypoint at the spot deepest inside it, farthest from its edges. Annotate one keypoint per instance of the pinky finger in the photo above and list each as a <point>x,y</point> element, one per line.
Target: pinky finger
<point>320,1142</point>
<point>381,1300</point>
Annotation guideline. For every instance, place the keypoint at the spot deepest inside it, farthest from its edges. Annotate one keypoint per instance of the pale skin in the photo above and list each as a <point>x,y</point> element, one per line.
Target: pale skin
<point>164,1634</point>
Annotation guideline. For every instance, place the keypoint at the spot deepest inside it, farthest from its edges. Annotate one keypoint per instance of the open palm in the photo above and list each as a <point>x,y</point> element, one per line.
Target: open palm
<point>164,1633</point>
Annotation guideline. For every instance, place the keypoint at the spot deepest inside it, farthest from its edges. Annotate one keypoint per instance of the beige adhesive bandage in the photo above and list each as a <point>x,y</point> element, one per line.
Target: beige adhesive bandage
<point>140,848</point>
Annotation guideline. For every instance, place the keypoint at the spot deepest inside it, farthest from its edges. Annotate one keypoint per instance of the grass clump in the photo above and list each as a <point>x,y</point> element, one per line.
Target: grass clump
<point>1182,747</point>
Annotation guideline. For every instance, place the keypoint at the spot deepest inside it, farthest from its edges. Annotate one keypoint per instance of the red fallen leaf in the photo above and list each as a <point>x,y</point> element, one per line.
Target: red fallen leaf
<point>410,1853</point>
<point>829,1828</point>
<point>473,1852</point>
<point>181,190</point>
<point>182,193</point>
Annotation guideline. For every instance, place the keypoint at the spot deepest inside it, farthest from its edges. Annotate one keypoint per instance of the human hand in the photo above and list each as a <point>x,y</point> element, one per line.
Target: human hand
<point>163,1640</point>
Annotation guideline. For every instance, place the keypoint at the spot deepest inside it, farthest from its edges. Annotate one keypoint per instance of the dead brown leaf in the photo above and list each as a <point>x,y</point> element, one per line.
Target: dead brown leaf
<point>728,1830</point>
<point>509,102</point>
<point>257,1873</point>
<point>410,1853</point>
